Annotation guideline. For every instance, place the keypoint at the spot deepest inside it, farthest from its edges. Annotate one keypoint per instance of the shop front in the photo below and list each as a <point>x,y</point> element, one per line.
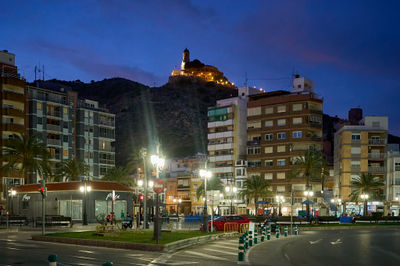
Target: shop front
<point>69,199</point>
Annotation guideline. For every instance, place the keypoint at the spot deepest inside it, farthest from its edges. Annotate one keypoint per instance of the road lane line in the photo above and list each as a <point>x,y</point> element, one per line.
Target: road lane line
<point>205,255</point>
<point>221,251</point>
<point>13,248</point>
<point>84,258</point>
<point>223,247</point>
<point>337,242</point>
<point>314,242</point>
<point>86,251</point>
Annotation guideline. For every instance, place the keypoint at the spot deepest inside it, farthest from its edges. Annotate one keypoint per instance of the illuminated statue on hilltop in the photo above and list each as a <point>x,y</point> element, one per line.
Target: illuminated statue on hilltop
<point>196,71</point>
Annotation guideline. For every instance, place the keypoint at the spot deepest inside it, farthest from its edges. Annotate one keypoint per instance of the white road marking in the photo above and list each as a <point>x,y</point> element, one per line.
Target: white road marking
<point>135,255</point>
<point>337,242</point>
<point>221,251</point>
<point>228,244</point>
<point>287,257</point>
<point>13,248</point>
<point>84,258</point>
<point>205,255</point>
<point>183,263</point>
<point>314,242</point>
<point>86,251</point>
<point>224,247</point>
<point>145,259</point>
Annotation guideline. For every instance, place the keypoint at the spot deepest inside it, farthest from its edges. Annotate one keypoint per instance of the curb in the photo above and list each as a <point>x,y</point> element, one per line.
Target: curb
<point>9,230</point>
<point>347,227</point>
<point>170,247</point>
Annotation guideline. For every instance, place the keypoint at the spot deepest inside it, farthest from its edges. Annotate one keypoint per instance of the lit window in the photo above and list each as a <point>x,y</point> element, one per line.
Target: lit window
<point>281,148</point>
<point>268,176</point>
<point>297,120</point>
<point>355,137</point>
<point>39,106</point>
<point>281,135</point>
<point>281,175</point>
<point>254,111</point>
<point>297,134</point>
<point>269,110</point>
<point>269,123</point>
<point>297,107</point>
<point>269,149</point>
<point>281,122</point>
<point>281,109</point>
<point>281,162</point>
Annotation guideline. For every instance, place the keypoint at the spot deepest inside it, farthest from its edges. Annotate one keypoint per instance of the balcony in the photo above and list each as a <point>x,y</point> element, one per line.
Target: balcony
<point>316,125</point>
<point>376,169</point>
<point>106,123</point>
<point>377,142</point>
<point>220,146</point>
<point>13,96</point>
<point>54,114</point>
<point>108,149</point>
<point>355,168</point>
<point>316,111</point>
<point>53,142</point>
<point>13,112</point>
<point>221,158</point>
<point>53,127</point>
<point>254,142</point>
<point>13,127</point>
<point>380,156</point>
<point>356,141</point>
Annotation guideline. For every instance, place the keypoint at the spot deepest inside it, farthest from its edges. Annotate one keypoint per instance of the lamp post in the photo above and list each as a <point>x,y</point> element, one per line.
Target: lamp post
<point>143,153</point>
<point>12,193</point>
<point>308,193</point>
<point>364,197</point>
<point>158,164</point>
<point>85,189</point>
<point>231,190</point>
<point>206,175</point>
<point>138,216</point>
<point>280,199</point>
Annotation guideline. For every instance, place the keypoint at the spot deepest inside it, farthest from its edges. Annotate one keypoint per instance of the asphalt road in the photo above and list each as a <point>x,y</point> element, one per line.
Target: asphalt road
<point>17,249</point>
<point>375,247</point>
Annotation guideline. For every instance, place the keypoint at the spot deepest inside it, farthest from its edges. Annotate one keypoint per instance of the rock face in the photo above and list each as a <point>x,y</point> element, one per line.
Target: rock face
<point>176,113</point>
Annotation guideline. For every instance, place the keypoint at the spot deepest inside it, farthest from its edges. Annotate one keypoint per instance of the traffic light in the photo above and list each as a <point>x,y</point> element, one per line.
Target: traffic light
<point>141,197</point>
<point>42,188</point>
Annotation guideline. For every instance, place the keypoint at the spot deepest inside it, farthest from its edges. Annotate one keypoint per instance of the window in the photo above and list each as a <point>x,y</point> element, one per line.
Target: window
<point>268,176</point>
<point>281,135</point>
<point>281,109</point>
<point>39,120</point>
<point>254,163</point>
<point>297,107</point>
<point>268,163</point>
<point>281,162</point>
<point>254,111</point>
<point>253,124</point>
<point>355,163</point>
<point>355,137</point>
<point>355,150</point>
<point>354,177</point>
<point>281,175</point>
<point>65,110</point>
<point>39,106</point>
<point>297,120</point>
<point>281,148</point>
<point>65,153</point>
<point>269,137</point>
<point>281,122</point>
<point>253,150</point>
<point>297,134</point>
<point>86,114</point>
<point>269,110</point>
<point>269,149</point>
<point>240,172</point>
<point>315,119</point>
<point>280,188</point>
<point>269,123</point>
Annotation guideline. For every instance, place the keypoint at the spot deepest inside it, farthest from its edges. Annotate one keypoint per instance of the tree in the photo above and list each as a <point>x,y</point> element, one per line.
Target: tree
<point>366,184</point>
<point>214,183</point>
<point>27,155</point>
<point>255,188</point>
<point>71,170</point>
<point>120,175</point>
<point>310,167</point>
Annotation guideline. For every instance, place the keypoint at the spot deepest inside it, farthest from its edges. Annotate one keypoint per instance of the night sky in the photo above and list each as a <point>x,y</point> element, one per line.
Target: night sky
<point>351,49</point>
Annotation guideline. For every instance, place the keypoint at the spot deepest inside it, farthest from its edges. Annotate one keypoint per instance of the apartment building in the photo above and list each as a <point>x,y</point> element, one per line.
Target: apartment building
<point>281,126</point>
<point>14,106</point>
<point>359,149</point>
<point>73,128</point>
<point>393,178</point>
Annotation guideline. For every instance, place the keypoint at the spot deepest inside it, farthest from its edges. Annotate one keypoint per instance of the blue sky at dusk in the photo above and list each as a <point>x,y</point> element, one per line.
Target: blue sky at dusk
<point>350,49</point>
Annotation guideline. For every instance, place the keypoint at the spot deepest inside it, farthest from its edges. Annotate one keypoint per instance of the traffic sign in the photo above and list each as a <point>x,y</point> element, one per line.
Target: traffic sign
<point>158,186</point>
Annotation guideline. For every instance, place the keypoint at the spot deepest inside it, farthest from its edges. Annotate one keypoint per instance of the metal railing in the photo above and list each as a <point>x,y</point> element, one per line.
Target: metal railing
<point>376,169</point>
<point>376,155</point>
<point>53,142</point>
<point>377,141</point>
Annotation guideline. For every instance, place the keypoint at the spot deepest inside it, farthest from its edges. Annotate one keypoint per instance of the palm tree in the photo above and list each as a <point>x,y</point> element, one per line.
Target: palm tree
<point>71,170</point>
<point>120,175</point>
<point>26,154</point>
<point>214,183</point>
<point>366,184</point>
<point>311,167</point>
<point>255,188</point>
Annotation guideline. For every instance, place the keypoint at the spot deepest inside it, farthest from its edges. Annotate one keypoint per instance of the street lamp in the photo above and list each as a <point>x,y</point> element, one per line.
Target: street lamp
<point>206,175</point>
<point>85,189</point>
<point>158,164</point>
<point>231,190</point>
<point>178,201</point>
<point>364,197</point>
<point>143,153</point>
<point>308,193</point>
<point>280,199</point>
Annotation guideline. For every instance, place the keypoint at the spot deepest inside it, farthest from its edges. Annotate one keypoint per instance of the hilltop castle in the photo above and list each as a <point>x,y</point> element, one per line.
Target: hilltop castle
<point>197,71</point>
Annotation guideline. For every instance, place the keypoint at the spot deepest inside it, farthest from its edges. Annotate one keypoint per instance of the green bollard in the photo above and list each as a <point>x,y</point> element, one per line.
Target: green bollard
<point>52,258</point>
<point>250,238</point>
<point>241,249</point>
<point>296,230</point>
<point>286,231</point>
<point>278,232</point>
<point>107,264</point>
<point>255,237</point>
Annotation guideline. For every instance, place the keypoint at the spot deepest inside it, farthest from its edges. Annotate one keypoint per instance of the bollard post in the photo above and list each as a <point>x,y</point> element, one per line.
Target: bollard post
<point>268,232</point>
<point>107,264</point>
<point>296,230</point>
<point>241,249</point>
<point>255,237</point>
<point>247,240</point>
<point>250,238</point>
<point>278,232</point>
<point>52,258</point>
<point>286,231</point>
<point>262,233</point>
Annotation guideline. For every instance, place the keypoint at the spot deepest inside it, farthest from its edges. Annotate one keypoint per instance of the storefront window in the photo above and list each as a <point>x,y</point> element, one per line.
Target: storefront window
<point>66,206</point>
<point>105,207</point>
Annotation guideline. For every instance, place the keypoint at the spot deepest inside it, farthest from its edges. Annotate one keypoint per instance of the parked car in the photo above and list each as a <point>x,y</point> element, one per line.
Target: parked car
<point>219,223</point>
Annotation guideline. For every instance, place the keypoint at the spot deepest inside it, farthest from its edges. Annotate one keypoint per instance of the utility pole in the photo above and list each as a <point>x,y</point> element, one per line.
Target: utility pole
<point>43,192</point>
<point>143,153</point>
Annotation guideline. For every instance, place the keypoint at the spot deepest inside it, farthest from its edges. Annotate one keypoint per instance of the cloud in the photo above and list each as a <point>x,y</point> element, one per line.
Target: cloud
<point>94,64</point>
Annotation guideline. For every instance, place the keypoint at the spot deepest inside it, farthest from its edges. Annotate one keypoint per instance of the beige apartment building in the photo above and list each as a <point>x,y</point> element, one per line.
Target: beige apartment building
<point>14,120</point>
<point>282,125</point>
<point>359,149</point>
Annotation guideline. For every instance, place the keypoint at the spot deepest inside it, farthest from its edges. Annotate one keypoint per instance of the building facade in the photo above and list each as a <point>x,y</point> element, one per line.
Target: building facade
<point>393,179</point>
<point>14,105</point>
<point>359,149</point>
<point>281,126</point>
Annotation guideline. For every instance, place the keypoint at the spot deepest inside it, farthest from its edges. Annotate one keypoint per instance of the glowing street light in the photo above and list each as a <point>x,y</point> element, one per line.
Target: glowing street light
<point>280,199</point>
<point>85,189</point>
<point>206,175</point>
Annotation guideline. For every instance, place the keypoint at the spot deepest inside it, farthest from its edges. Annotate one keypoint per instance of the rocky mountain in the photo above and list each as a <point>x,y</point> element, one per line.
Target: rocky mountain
<point>176,114</point>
